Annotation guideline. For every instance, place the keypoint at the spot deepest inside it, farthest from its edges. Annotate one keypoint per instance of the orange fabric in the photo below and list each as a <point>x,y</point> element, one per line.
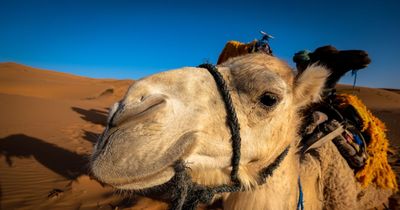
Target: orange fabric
<point>233,49</point>
<point>377,169</point>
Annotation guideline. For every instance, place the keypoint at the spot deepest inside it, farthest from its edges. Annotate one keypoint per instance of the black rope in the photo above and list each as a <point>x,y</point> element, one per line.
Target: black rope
<point>266,172</point>
<point>187,195</point>
<point>232,120</point>
<point>181,187</point>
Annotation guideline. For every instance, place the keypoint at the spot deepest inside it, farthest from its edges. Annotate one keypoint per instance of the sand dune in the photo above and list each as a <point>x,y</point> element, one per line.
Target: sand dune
<point>17,79</point>
<point>50,121</point>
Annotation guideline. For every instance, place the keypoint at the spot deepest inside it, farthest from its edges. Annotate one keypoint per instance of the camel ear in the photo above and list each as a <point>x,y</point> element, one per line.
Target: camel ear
<point>309,85</point>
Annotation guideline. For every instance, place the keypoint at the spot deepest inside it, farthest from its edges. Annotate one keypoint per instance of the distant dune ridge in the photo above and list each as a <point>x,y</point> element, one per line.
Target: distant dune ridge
<point>50,121</point>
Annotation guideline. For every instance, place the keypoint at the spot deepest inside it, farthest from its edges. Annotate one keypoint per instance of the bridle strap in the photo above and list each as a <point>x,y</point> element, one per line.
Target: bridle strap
<point>267,171</point>
<point>233,121</point>
<point>187,194</point>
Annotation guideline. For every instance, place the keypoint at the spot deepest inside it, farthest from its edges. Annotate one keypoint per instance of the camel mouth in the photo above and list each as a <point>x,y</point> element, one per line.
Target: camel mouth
<point>362,63</point>
<point>140,172</point>
<point>163,191</point>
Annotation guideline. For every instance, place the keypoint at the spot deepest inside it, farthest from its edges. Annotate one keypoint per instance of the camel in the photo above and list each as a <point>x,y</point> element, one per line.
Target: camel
<point>179,115</point>
<point>338,61</point>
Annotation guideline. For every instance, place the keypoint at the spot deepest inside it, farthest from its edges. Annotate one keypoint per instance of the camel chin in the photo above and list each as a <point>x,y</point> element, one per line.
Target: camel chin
<point>154,180</point>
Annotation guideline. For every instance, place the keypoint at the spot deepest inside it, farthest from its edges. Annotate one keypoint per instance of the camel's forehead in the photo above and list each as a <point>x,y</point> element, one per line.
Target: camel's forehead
<point>181,82</point>
<point>244,68</point>
<point>250,63</point>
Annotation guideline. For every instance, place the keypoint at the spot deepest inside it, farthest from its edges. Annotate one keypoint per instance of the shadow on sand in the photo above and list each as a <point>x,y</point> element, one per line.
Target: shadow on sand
<point>61,161</point>
<point>1,195</point>
<point>90,136</point>
<point>92,115</point>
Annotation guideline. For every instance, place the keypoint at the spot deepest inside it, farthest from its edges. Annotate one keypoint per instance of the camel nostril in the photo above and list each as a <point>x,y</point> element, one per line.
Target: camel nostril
<point>147,105</point>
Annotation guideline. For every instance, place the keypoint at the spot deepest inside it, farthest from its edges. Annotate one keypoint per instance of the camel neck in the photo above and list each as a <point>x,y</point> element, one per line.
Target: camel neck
<point>279,192</point>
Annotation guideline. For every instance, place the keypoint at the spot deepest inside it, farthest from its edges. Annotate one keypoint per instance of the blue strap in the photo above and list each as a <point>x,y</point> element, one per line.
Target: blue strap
<point>354,73</point>
<point>300,204</point>
<point>358,139</point>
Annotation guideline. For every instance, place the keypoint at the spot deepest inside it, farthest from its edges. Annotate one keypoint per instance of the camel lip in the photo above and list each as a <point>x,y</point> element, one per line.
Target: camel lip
<point>163,191</point>
<point>162,174</point>
<point>157,178</point>
<point>160,192</point>
<point>137,184</point>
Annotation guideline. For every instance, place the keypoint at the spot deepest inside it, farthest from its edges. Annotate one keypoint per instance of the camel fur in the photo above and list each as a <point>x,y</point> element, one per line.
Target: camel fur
<point>180,115</point>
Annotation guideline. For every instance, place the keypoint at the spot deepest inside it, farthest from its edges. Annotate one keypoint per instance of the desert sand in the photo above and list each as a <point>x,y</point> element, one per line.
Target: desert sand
<point>50,121</point>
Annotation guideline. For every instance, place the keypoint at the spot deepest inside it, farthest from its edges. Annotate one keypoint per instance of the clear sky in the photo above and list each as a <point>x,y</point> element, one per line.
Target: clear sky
<point>132,39</point>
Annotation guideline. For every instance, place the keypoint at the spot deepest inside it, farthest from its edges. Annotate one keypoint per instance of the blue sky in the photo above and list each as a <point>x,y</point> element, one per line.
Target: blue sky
<point>132,39</point>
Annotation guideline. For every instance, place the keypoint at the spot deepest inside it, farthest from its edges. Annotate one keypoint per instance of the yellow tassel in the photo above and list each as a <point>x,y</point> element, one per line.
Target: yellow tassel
<point>377,169</point>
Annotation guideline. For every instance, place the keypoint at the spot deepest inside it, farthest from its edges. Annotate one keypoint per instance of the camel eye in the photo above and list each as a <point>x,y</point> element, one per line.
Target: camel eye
<point>269,99</point>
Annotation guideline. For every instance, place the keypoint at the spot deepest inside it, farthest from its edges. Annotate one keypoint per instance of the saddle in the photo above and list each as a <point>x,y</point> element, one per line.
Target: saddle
<point>235,48</point>
<point>329,118</point>
<point>360,138</point>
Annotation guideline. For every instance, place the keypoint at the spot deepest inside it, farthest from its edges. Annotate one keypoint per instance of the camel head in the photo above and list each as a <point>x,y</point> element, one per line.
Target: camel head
<point>338,61</point>
<point>341,59</point>
<point>180,115</point>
